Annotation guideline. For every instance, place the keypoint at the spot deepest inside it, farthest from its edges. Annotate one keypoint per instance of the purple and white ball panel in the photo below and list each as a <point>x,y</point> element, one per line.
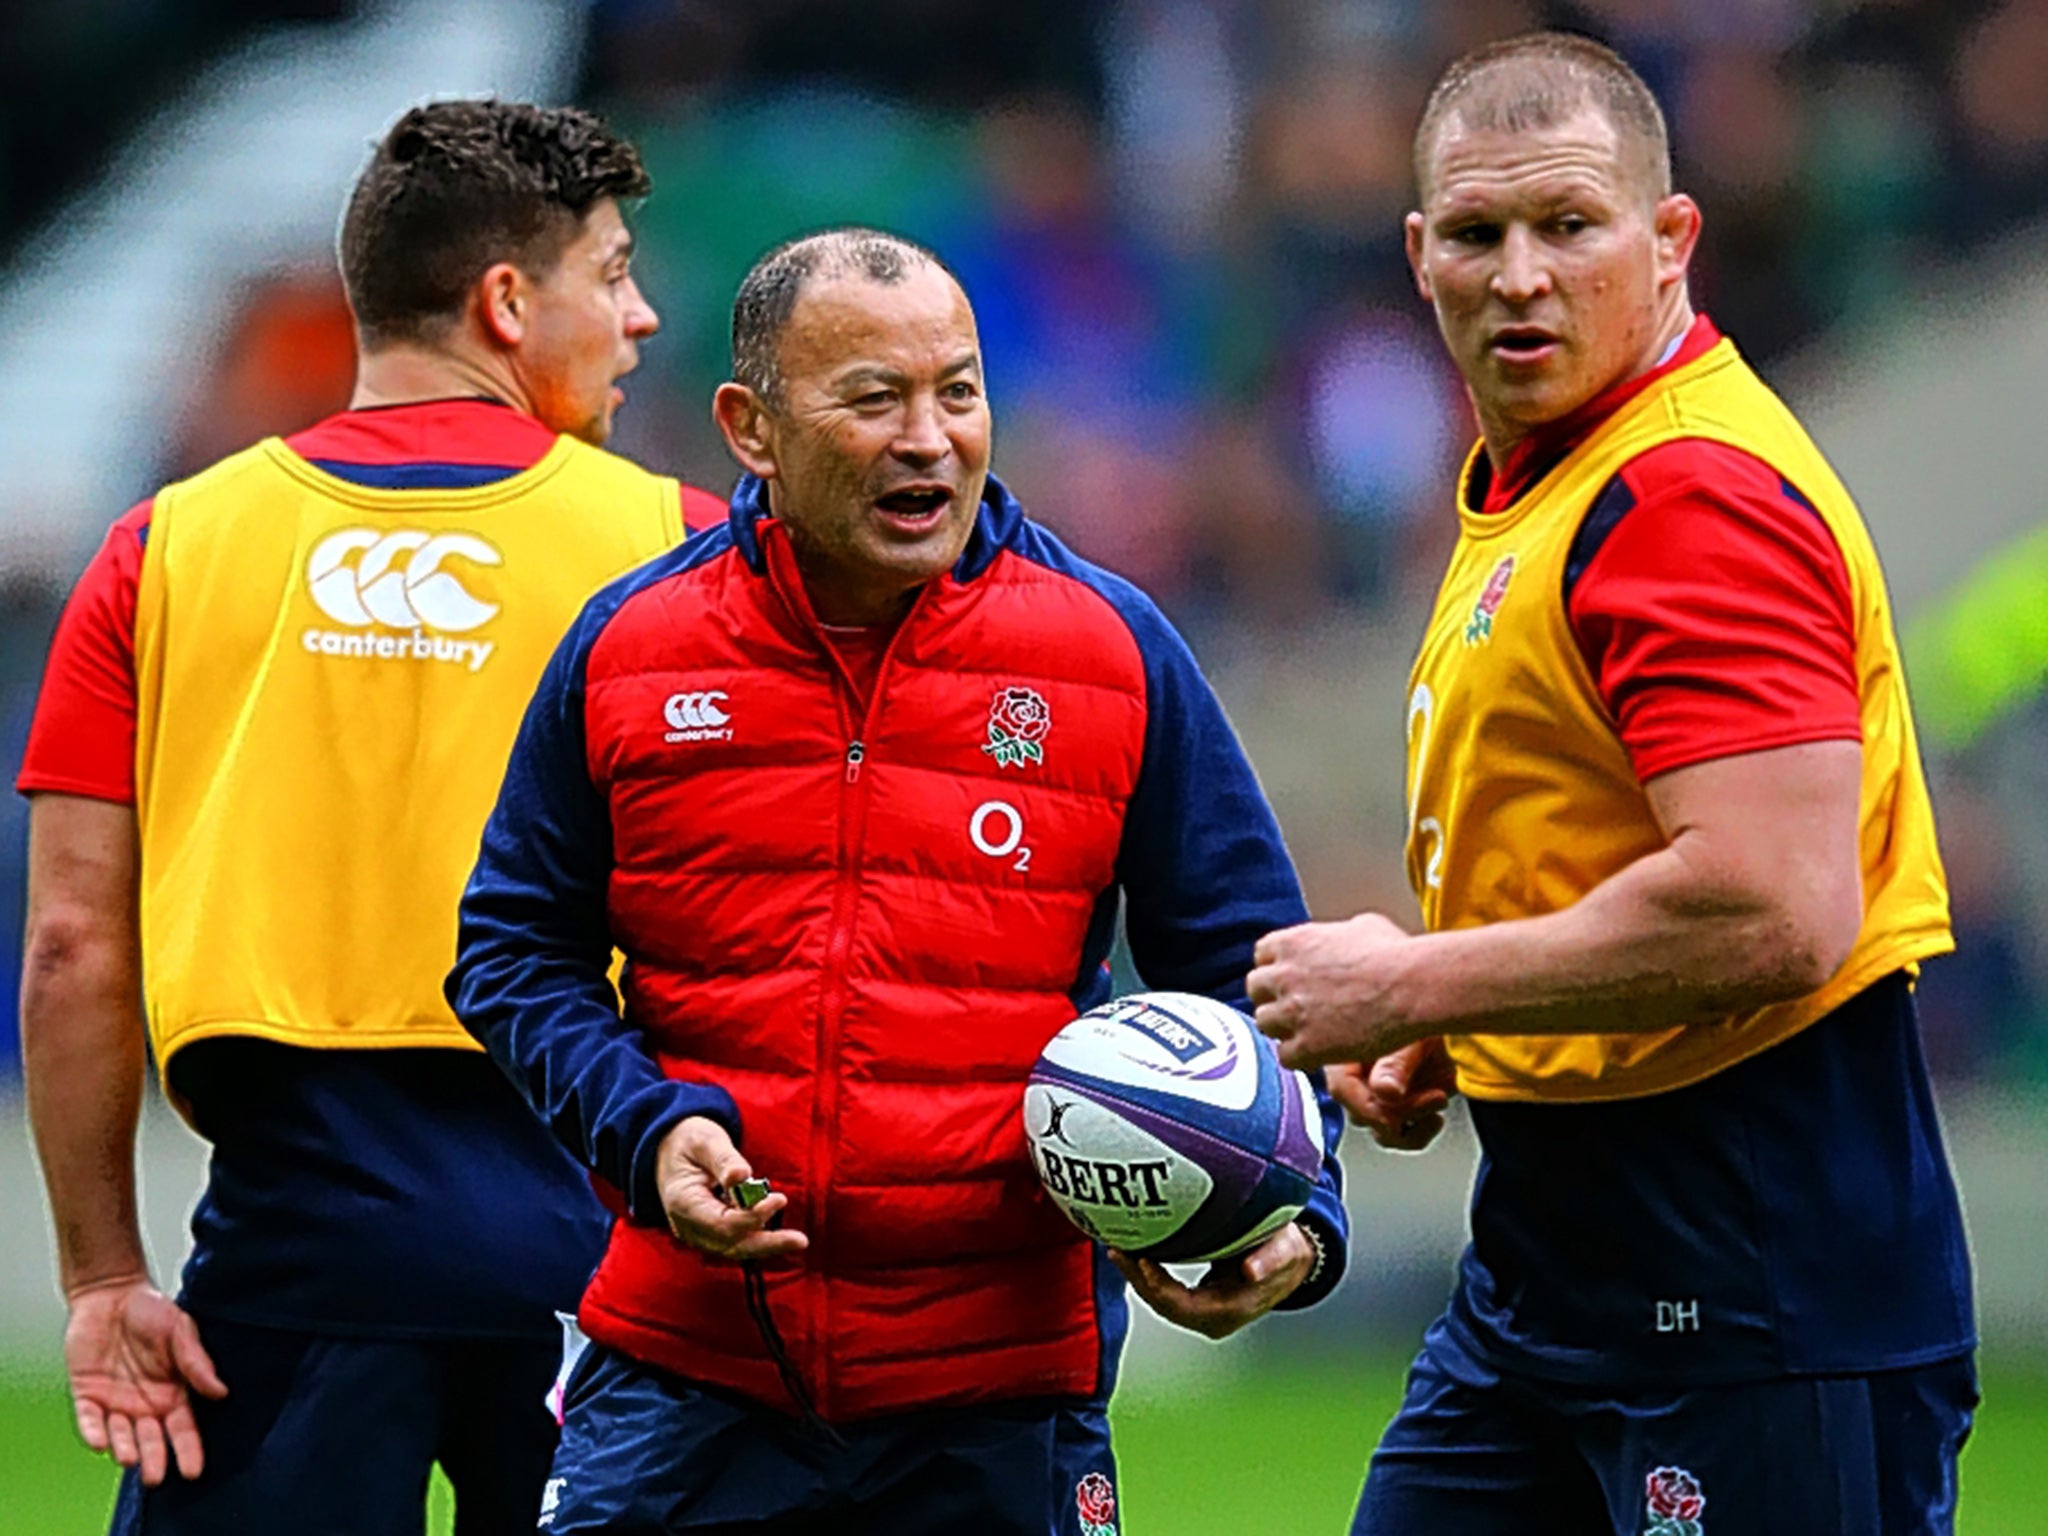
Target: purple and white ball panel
<point>1300,1145</point>
<point>1164,1124</point>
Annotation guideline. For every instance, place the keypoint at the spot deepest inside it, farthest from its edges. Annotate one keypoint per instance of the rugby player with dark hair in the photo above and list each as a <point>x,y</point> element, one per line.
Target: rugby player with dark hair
<point>272,723</point>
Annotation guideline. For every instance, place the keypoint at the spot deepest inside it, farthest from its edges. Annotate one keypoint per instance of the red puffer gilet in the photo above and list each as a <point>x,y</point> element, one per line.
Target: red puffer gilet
<point>849,933</point>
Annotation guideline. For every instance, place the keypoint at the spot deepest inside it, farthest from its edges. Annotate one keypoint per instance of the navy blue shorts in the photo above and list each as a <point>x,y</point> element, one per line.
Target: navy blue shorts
<point>645,1452</point>
<point>1473,1452</point>
<point>321,1435</point>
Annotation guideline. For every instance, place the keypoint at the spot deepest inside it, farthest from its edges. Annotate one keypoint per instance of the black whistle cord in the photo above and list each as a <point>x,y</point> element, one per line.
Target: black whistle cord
<point>792,1379</point>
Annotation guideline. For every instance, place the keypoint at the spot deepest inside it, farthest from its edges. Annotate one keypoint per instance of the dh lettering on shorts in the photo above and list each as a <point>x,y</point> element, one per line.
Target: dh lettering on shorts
<point>1678,1316</point>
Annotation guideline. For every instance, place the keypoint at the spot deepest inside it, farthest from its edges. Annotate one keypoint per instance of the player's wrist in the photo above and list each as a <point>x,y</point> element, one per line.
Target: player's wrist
<point>1327,1268</point>
<point>76,1291</point>
<point>1321,1253</point>
<point>1419,996</point>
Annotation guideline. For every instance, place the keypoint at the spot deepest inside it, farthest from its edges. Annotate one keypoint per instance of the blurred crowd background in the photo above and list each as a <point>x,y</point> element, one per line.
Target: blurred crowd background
<point>1179,221</point>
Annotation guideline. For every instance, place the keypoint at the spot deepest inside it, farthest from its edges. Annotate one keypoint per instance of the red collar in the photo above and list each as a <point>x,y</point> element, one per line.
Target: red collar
<point>467,431</point>
<point>1537,454</point>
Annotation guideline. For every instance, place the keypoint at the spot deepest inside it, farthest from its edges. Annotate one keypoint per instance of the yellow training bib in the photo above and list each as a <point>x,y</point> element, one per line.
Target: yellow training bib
<point>329,678</point>
<point>1522,799</point>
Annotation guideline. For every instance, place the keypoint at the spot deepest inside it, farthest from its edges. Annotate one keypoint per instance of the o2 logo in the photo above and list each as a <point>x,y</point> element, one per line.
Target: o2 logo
<point>997,829</point>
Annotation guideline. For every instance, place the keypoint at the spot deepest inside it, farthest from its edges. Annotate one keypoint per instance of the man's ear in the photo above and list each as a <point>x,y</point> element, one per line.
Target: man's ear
<point>502,303</point>
<point>1678,231</point>
<point>1411,239</point>
<point>748,426</point>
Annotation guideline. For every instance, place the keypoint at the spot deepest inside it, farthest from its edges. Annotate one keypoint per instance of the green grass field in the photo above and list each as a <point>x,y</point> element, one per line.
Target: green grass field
<point>1279,1452</point>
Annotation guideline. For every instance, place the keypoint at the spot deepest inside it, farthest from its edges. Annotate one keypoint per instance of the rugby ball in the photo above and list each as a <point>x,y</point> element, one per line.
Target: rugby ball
<point>1164,1125</point>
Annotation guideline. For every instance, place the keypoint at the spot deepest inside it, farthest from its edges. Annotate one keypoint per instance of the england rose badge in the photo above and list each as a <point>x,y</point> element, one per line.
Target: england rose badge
<point>1480,626</point>
<point>1673,1503</point>
<point>1018,719</point>
<point>1095,1499</point>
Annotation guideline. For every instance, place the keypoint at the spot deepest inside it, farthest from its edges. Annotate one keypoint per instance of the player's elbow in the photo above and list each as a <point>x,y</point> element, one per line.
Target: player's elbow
<point>65,941</point>
<point>1829,919</point>
<point>1804,942</point>
<point>79,969</point>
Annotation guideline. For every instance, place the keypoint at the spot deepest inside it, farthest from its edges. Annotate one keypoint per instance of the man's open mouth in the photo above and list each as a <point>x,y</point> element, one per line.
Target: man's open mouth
<point>1522,342</point>
<point>915,504</point>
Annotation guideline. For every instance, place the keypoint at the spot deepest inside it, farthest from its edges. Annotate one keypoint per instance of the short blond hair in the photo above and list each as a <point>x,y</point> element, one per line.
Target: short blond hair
<point>1541,79</point>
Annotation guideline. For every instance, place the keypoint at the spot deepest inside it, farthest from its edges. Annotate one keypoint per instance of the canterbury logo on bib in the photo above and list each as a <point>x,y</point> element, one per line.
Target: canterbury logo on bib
<point>406,581</point>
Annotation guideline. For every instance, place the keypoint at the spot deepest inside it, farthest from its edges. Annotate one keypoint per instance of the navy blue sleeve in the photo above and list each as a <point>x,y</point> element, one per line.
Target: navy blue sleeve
<point>533,954</point>
<point>1205,874</point>
<point>1324,1214</point>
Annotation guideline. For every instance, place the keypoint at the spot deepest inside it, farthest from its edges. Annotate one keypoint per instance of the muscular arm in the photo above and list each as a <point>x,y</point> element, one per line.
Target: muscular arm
<point>81,995</point>
<point>1756,898</point>
<point>82,1032</point>
<point>1713,609</point>
<point>132,1354</point>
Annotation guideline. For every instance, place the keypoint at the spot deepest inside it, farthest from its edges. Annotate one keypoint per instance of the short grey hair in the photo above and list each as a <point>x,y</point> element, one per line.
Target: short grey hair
<point>1541,79</point>
<point>768,294</point>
